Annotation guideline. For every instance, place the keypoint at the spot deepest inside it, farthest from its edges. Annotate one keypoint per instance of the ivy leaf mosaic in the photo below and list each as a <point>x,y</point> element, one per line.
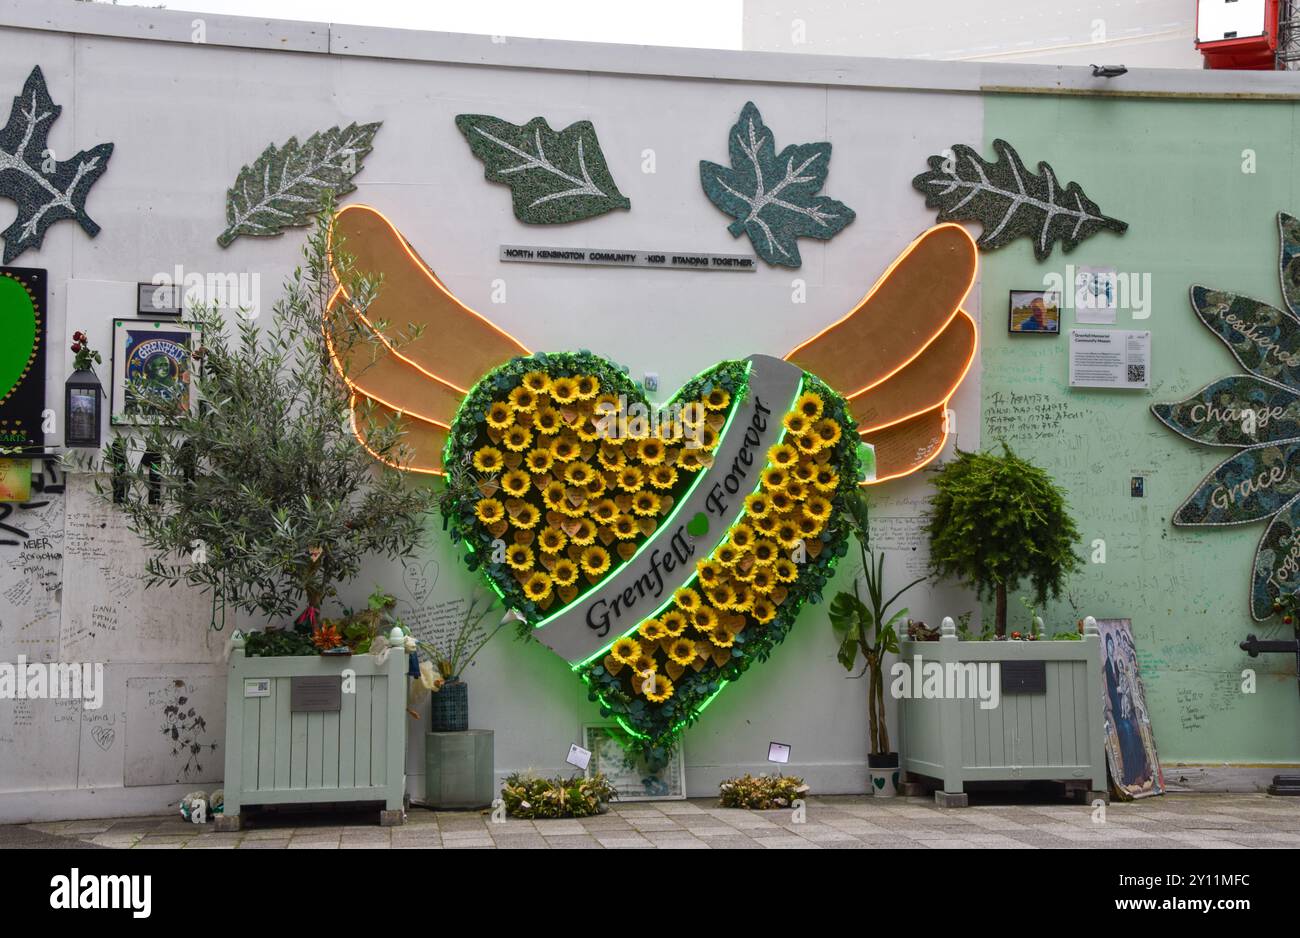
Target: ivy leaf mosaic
<point>1010,201</point>
<point>283,187</point>
<point>45,189</point>
<point>772,196</point>
<point>553,177</point>
<point>1258,414</point>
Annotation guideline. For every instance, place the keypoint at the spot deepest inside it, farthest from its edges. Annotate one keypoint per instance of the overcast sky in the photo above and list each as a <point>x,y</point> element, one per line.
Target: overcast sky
<point>714,24</point>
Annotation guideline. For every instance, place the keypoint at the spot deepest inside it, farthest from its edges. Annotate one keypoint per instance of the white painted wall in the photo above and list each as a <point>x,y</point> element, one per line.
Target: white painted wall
<point>184,117</point>
<point>1147,33</point>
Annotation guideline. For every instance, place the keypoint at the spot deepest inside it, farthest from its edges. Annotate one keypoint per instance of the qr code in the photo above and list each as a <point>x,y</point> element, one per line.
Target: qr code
<point>1137,374</point>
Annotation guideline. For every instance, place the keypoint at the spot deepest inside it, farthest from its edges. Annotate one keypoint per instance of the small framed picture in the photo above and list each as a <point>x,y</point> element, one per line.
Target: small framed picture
<point>613,755</point>
<point>159,299</point>
<point>151,358</point>
<point>1034,312</point>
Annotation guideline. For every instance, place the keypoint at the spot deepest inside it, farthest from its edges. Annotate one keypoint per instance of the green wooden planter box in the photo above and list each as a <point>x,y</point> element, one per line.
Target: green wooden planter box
<point>278,755</point>
<point>1054,734</point>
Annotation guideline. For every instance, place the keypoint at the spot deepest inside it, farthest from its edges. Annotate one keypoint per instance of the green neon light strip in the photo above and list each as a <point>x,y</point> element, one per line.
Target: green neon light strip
<point>667,523</point>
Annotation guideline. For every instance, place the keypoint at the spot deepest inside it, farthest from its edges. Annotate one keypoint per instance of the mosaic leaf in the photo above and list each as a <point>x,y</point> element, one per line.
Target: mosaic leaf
<point>1288,229</point>
<point>553,177</point>
<point>772,196</point>
<point>45,190</point>
<point>1247,486</point>
<point>1239,410</point>
<point>283,187</point>
<point>1277,562</point>
<point>1010,201</point>
<point>1263,338</point>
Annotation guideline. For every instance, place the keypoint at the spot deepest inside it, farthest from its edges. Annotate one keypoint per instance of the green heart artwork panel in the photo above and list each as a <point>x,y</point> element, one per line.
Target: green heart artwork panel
<point>22,360</point>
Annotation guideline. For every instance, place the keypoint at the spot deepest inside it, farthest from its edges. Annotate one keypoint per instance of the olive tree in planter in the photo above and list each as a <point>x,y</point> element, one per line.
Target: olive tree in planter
<point>868,629</point>
<point>996,520</point>
<point>263,497</point>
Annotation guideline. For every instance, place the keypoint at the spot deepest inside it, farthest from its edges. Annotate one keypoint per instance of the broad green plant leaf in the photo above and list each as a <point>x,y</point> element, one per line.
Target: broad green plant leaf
<point>1010,201</point>
<point>553,177</point>
<point>283,187</point>
<point>45,189</point>
<point>772,196</point>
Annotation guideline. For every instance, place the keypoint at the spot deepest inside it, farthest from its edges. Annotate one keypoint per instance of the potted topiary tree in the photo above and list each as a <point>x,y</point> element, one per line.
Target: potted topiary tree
<point>995,520</point>
<point>263,497</point>
<point>866,628</point>
<point>976,710</point>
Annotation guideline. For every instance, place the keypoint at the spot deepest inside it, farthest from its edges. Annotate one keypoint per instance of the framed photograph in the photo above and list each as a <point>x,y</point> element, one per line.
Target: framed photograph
<point>1034,312</point>
<point>159,299</point>
<point>1130,742</point>
<point>152,357</point>
<point>613,756</point>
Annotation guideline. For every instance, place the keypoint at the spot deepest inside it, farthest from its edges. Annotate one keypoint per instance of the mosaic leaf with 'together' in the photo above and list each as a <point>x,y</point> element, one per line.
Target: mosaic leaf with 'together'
<point>1277,561</point>
<point>1010,201</point>
<point>1240,410</point>
<point>283,187</point>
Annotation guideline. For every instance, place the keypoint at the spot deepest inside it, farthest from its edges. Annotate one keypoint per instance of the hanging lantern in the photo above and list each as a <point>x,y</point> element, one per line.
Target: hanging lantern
<point>82,394</point>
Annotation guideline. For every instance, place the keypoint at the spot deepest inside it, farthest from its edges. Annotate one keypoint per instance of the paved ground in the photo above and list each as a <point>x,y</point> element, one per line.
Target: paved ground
<point>1178,820</point>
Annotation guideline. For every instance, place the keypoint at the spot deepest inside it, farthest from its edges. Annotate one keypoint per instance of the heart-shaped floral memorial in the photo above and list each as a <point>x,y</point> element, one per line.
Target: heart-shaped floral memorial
<point>661,552</point>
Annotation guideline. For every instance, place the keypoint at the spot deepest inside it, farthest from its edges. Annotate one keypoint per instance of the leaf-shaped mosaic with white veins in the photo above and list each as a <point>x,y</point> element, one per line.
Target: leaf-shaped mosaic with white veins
<point>1239,410</point>
<point>1010,201</point>
<point>283,187</point>
<point>1263,338</point>
<point>1248,486</point>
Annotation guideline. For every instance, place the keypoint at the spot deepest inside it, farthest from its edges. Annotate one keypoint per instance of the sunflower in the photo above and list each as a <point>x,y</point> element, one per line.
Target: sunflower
<point>551,540</point>
<point>565,448</point>
<point>489,510</point>
<point>808,443</point>
<point>625,527</point>
<point>519,556</point>
<point>536,381</point>
<point>537,587</point>
<point>758,504</point>
<point>766,525</point>
<point>516,482</point>
<point>809,404</point>
<point>796,490</point>
<point>564,390</point>
<point>796,422</point>
<point>630,479</point>
<point>538,461</point>
<point>726,554</point>
<point>682,651</point>
<point>744,567</point>
<point>708,438</point>
<point>488,459</point>
<point>825,479</point>
<point>805,471</point>
<point>687,599</point>
<point>742,535</point>
<point>596,486</point>
<point>645,504</point>
<point>517,439</point>
<point>644,666</point>
<point>578,473</point>
<point>783,454</point>
<point>828,431</point>
<point>744,598</point>
<point>722,636</point>
<point>674,622</point>
<point>595,561</point>
<point>523,398</point>
<point>500,415</point>
<point>611,455</point>
<point>787,534</point>
<point>809,527</point>
<point>663,689</point>
<point>705,618</point>
<point>575,502</point>
<point>690,460</point>
<point>785,570</point>
<point>708,572</point>
<point>765,552</point>
<point>625,650</point>
<point>547,421</point>
<point>775,477</point>
<point>717,399</point>
<point>604,511</point>
<point>764,610</point>
<point>565,572</point>
<point>781,501</point>
<point>526,517</point>
<point>817,508</point>
<point>763,581</point>
<point>554,496</point>
<point>586,387</point>
<point>722,595</point>
<point>663,477</point>
<point>652,630</point>
<point>652,451</point>
<point>584,532</point>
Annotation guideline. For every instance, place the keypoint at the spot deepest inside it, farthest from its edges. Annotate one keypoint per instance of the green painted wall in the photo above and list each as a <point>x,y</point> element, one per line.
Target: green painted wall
<point>1173,171</point>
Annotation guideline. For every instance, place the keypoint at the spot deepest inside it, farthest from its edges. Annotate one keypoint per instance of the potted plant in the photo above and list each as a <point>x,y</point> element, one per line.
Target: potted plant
<point>447,658</point>
<point>868,629</point>
<point>985,706</point>
<point>995,520</point>
<point>263,497</point>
